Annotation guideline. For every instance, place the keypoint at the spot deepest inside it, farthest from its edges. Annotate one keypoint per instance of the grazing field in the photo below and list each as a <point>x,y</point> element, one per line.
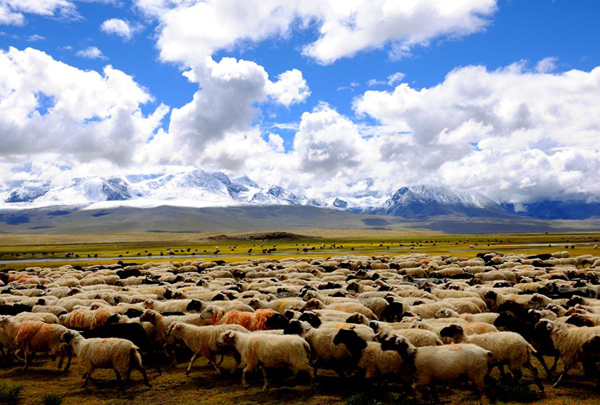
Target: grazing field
<point>312,272</point>
<point>22,250</point>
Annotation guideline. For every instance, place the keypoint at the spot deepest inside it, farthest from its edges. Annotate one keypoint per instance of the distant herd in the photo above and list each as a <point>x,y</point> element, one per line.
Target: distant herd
<point>413,320</point>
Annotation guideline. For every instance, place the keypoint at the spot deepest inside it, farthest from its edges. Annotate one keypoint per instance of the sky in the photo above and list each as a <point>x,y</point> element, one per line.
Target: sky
<point>324,97</point>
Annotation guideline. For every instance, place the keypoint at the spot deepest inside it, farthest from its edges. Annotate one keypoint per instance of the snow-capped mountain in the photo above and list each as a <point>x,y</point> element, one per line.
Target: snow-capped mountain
<point>26,194</point>
<point>423,201</point>
<point>198,188</point>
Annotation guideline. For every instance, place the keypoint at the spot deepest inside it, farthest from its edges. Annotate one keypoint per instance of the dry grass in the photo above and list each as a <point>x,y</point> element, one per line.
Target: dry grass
<point>204,386</point>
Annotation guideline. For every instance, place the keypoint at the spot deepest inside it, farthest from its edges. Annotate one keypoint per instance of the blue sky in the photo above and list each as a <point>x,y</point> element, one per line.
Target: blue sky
<point>513,33</point>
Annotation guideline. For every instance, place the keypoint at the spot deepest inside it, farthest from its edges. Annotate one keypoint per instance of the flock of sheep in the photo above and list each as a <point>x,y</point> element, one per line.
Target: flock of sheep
<point>414,320</point>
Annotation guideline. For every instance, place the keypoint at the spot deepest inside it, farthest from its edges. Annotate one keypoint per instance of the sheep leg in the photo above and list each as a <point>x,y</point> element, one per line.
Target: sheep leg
<point>556,357</point>
<point>434,394</point>
<point>503,377</point>
<point>27,358</point>
<point>88,376</point>
<point>220,360</point>
<point>244,371</point>
<point>536,376</point>
<point>540,358</point>
<point>194,357</point>
<point>238,359</point>
<point>564,373</point>
<point>69,357</point>
<point>61,361</point>
<point>141,369</point>
<point>264,371</point>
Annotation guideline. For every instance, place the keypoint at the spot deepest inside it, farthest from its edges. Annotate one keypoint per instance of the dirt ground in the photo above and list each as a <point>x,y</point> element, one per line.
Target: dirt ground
<point>205,386</point>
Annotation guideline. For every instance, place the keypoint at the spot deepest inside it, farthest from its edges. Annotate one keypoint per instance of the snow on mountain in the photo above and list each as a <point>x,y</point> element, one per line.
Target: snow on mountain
<point>424,201</point>
<point>198,188</point>
<point>278,195</point>
<point>26,194</point>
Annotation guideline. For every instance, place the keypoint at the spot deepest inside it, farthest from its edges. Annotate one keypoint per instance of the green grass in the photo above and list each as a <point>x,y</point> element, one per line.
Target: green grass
<point>53,399</point>
<point>10,394</point>
<point>175,246</point>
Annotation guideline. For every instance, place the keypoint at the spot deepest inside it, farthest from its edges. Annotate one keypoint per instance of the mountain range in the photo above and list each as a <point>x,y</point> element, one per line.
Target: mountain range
<point>201,189</point>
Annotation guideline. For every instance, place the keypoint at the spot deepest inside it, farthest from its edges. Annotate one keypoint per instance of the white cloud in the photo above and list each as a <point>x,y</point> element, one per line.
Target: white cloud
<point>502,132</point>
<point>390,81</point>
<point>225,105</point>
<point>290,88</point>
<point>191,30</point>
<point>395,78</point>
<point>91,52</point>
<point>35,37</point>
<point>49,107</point>
<point>12,12</point>
<point>116,26</point>
<point>546,65</point>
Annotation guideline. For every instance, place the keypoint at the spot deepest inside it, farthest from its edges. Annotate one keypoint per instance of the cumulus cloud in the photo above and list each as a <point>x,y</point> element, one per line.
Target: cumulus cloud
<point>91,52</point>
<point>191,30</point>
<point>290,88</point>
<point>49,107</point>
<point>116,26</point>
<point>504,132</point>
<point>12,12</point>
<point>230,89</point>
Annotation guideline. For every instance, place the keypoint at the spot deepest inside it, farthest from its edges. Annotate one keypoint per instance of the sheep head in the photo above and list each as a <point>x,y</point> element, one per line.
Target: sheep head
<point>454,332</point>
<point>402,346</point>
<point>226,339</point>
<point>354,343</point>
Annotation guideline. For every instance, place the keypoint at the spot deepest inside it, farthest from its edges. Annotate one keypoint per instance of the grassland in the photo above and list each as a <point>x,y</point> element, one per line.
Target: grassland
<point>39,250</point>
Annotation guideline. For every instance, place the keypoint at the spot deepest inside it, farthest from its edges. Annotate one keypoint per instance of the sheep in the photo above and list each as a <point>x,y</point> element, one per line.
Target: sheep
<point>262,319</point>
<point>35,336</point>
<point>325,353</point>
<point>568,341</point>
<point>85,318</point>
<point>443,364</point>
<point>9,327</point>
<point>161,324</point>
<point>349,307</point>
<point>38,316</point>
<point>508,348</point>
<point>369,357</point>
<point>417,337</point>
<point>133,331</point>
<point>280,305</point>
<point>268,351</point>
<point>52,309</point>
<point>202,340</point>
<point>186,305</point>
<point>119,354</point>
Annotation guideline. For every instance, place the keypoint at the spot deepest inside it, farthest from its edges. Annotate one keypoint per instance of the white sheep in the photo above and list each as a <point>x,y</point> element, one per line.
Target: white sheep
<point>269,351</point>
<point>119,354</point>
<point>202,340</point>
<point>369,356</point>
<point>568,341</point>
<point>508,348</point>
<point>443,364</point>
